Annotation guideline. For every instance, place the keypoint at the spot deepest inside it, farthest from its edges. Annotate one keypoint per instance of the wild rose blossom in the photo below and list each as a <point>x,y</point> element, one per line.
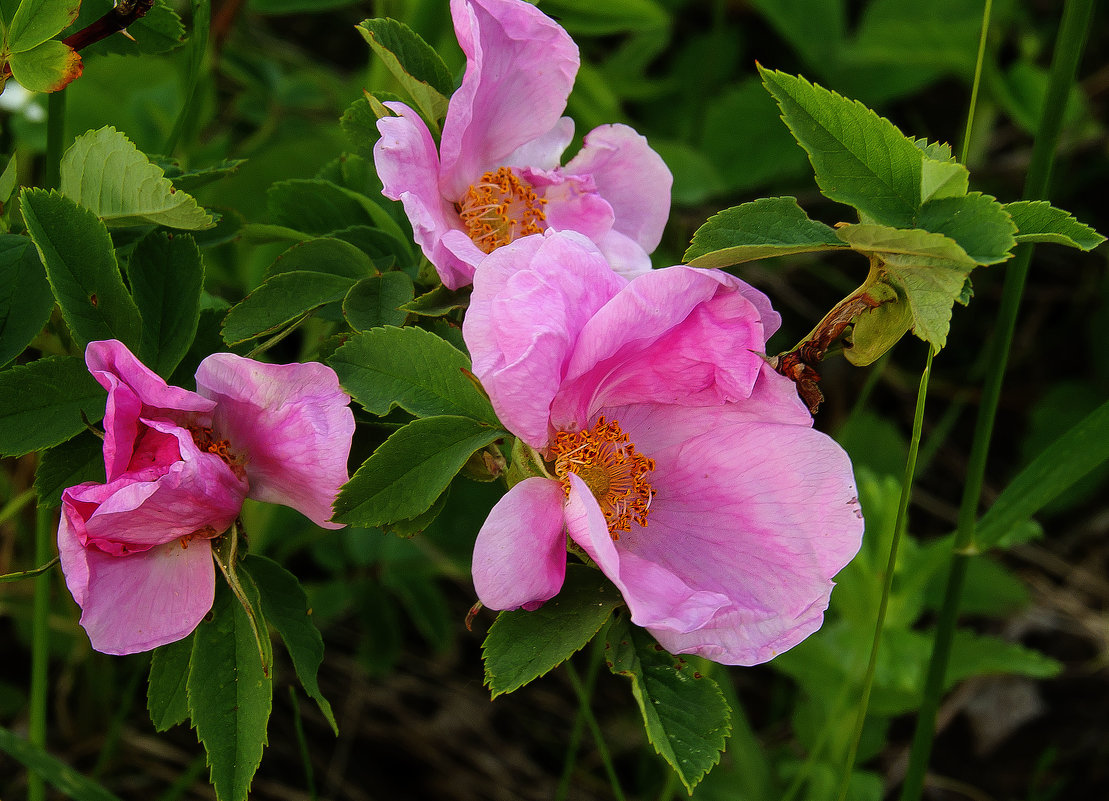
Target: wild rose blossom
<point>495,177</point>
<point>677,459</point>
<point>136,551</point>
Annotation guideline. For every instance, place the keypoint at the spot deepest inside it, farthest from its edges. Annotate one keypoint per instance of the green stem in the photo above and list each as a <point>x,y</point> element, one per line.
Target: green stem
<point>899,527</point>
<point>198,45</point>
<point>16,504</point>
<point>595,730</point>
<point>302,744</point>
<point>32,573</point>
<point>55,139</point>
<point>40,653</point>
<point>1068,51</point>
<point>579,725</point>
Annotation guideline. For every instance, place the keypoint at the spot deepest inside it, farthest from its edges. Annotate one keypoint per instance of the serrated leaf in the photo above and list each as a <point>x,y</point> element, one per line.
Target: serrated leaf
<point>359,123</point>
<point>439,301</point>
<point>280,300</point>
<point>771,226</point>
<point>48,67</point>
<point>104,172</point>
<point>376,301</point>
<point>414,63</point>
<point>324,255</point>
<point>69,782</point>
<point>1056,468</point>
<point>522,646</point>
<point>167,698</point>
<point>686,716</point>
<point>859,158</point>
<point>977,655</point>
<point>167,278</point>
<point>286,609</point>
<point>408,472</point>
<point>410,368</point>
<point>35,21</point>
<point>928,269</point>
<point>25,296</point>
<point>317,206</point>
<point>42,403</point>
<point>938,151</point>
<point>941,178</point>
<point>192,179</point>
<point>81,266</point>
<point>68,464</point>
<point>230,696</point>
<point>976,221</point>
<point>1039,221</point>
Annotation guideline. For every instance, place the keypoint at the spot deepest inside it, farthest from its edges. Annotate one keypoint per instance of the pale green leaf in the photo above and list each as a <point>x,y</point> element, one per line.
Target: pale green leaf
<point>47,67</point>
<point>1039,221</point>
<point>35,21</point>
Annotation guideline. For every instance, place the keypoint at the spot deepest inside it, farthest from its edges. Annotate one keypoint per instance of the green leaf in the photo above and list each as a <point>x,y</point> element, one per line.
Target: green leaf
<point>167,278</point>
<point>408,472</point>
<point>1039,221</point>
<point>439,301</point>
<point>603,17</point>
<point>977,222</point>
<point>359,123</point>
<point>65,779</point>
<point>104,172</point>
<point>770,226</point>
<point>317,206</point>
<point>35,21</point>
<point>377,301</point>
<point>976,655</point>
<point>81,267</point>
<point>279,301</point>
<point>286,608</point>
<point>192,179</point>
<point>415,65</point>
<point>877,330</point>
<point>928,269</point>
<point>230,696</point>
<point>942,178</point>
<point>1056,468</point>
<point>48,67</point>
<point>411,368</point>
<point>859,158</point>
<point>685,714</point>
<point>935,151</point>
<point>73,462</point>
<point>25,297</point>
<point>522,646</point>
<point>324,255</point>
<point>41,403</point>
<point>167,698</point>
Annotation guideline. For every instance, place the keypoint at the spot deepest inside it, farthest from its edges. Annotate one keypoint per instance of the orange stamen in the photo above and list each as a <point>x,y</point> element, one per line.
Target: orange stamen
<point>501,208</point>
<point>614,471</point>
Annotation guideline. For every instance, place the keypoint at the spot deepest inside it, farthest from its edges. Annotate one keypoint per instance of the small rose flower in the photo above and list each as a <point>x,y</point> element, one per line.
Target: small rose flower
<point>495,177</point>
<point>677,459</point>
<point>136,551</point>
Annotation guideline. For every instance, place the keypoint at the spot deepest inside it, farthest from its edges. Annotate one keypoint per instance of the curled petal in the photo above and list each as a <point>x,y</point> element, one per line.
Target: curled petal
<point>520,552</point>
<point>531,299</point>
<point>631,176</point>
<point>677,335</point>
<point>520,68</point>
<point>292,425</point>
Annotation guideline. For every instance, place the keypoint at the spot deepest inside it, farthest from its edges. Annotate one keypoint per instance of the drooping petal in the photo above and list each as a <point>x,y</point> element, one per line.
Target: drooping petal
<point>765,514</point>
<point>631,176</point>
<point>292,425</point>
<point>520,552</point>
<point>134,390</point>
<point>677,335</point>
<point>531,299</point>
<point>520,67</point>
<point>138,602</point>
<point>408,167</point>
<point>655,595</point>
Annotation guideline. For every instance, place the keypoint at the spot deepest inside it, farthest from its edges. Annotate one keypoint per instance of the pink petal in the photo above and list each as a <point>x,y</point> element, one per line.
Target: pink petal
<point>408,167</point>
<point>133,391</point>
<point>572,203</point>
<point>290,422</point>
<point>631,176</point>
<point>520,552</point>
<point>654,595</point>
<point>677,335</point>
<point>545,152</point>
<point>531,298</point>
<point>520,67</point>
<point>138,602</point>
<point>624,255</point>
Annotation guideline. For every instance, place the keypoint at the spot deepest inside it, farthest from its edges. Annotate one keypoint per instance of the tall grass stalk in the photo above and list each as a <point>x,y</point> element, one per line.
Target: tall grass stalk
<point>1068,51</point>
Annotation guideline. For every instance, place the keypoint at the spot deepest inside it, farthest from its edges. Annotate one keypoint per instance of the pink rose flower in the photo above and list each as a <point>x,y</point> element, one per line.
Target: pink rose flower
<point>136,551</point>
<point>677,459</point>
<point>495,177</point>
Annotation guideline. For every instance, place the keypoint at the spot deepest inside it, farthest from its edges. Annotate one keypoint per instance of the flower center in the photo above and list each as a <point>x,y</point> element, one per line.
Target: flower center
<point>207,441</point>
<point>614,471</point>
<point>499,209</point>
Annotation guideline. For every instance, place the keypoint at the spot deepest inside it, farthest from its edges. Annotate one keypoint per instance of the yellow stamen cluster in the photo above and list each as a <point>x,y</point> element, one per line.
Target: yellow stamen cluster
<point>499,209</point>
<point>614,471</point>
